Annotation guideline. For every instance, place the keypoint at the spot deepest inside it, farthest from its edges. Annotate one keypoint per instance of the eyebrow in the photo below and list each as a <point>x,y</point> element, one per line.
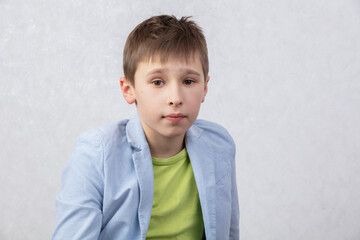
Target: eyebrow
<point>189,71</point>
<point>155,71</point>
<point>162,70</point>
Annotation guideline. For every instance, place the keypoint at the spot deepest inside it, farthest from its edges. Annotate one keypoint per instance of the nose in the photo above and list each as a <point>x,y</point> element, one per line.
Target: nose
<point>175,96</point>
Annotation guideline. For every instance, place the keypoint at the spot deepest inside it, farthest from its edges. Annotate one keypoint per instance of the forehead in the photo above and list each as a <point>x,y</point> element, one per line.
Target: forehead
<point>164,56</point>
<point>189,65</point>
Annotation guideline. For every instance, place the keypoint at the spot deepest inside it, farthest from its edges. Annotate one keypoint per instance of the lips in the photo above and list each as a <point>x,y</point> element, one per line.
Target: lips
<point>174,117</point>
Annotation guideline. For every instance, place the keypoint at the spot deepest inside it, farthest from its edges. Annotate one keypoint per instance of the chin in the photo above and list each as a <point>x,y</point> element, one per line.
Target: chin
<point>175,133</point>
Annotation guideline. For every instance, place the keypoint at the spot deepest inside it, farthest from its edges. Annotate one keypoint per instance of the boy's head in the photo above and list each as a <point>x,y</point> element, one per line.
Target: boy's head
<point>165,37</point>
<point>166,75</point>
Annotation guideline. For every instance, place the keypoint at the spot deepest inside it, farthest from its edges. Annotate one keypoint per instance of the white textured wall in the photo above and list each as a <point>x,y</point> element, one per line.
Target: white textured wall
<point>285,81</point>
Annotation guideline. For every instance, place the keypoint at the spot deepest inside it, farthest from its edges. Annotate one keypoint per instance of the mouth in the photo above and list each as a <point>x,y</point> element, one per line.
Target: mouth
<point>174,117</point>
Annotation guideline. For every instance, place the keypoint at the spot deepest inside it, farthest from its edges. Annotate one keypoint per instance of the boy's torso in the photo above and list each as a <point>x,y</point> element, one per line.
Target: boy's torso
<point>125,192</point>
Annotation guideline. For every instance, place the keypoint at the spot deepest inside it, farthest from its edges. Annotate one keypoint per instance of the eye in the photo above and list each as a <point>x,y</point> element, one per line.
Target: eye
<point>189,81</point>
<point>157,83</point>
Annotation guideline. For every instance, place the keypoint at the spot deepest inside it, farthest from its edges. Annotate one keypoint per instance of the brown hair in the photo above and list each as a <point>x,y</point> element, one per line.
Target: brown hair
<point>167,37</point>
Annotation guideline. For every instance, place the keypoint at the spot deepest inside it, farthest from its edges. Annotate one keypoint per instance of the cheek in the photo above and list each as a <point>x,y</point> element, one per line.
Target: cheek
<point>142,96</point>
<point>197,96</point>
<point>148,102</point>
<point>195,101</point>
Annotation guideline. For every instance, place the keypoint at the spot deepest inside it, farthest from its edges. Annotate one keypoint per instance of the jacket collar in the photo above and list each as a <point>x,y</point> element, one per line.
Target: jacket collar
<point>135,134</point>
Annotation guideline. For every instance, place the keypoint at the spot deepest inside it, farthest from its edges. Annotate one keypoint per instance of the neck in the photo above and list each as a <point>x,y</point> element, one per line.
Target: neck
<point>162,147</point>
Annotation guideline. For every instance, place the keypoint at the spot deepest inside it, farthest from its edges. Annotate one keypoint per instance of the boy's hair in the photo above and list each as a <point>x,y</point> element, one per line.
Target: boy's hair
<point>165,37</point>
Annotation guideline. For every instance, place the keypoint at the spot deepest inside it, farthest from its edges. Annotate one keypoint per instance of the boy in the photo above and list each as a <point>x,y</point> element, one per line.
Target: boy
<point>162,174</point>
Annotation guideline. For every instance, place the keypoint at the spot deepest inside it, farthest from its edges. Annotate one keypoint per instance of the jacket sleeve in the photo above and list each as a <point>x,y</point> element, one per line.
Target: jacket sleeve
<point>79,203</point>
<point>234,225</point>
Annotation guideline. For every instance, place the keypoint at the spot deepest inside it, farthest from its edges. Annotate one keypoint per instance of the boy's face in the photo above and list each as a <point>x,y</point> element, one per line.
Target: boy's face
<point>168,96</point>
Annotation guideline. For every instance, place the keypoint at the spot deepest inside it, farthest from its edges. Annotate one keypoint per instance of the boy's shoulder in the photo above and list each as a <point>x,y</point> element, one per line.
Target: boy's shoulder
<point>212,132</point>
<point>210,126</point>
<point>106,134</point>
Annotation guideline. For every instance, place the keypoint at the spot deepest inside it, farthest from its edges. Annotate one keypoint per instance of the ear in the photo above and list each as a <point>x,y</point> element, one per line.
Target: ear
<point>127,90</point>
<point>205,88</point>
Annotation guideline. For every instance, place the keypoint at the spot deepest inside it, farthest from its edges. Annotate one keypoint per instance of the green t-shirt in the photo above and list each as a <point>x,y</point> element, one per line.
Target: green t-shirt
<point>176,211</point>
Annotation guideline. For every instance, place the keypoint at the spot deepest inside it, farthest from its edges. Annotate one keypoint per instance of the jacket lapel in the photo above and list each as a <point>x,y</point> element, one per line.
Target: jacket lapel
<point>144,171</point>
<point>202,160</point>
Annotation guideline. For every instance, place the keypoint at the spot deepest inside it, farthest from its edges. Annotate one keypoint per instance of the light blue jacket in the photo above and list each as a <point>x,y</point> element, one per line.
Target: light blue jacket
<point>107,186</point>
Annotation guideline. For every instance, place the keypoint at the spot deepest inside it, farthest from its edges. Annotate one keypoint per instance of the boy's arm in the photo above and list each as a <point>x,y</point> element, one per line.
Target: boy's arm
<point>234,225</point>
<point>79,203</point>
